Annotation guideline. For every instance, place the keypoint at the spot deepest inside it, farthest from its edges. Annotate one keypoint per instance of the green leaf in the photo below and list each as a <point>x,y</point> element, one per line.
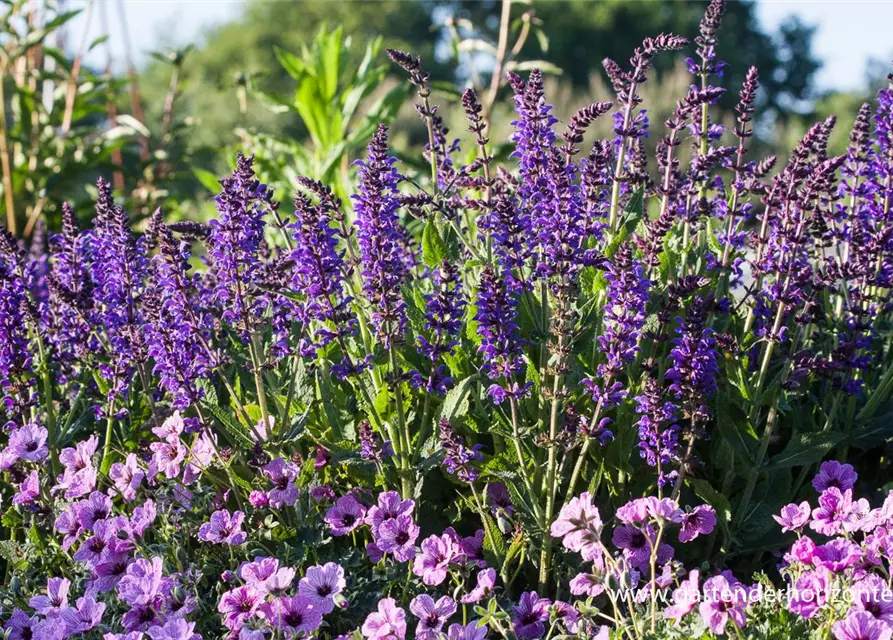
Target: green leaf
<point>876,432</point>
<point>736,430</point>
<point>433,249</point>
<point>455,404</point>
<point>236,433</point>
<point>806,448</point>
<point>207,179</point>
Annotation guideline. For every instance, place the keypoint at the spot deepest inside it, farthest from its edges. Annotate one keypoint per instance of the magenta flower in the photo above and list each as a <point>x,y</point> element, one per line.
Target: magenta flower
<point>837,555</point>
<point>55,599</point>
<point>794,517</point>
<point>699,521</point>
<point>834,474</point>
<point>723,601</point>
<point>239,605</point>
<point>321,584</point>
<point>437,554</point>
<point>685,597</point>
<point>294,615</point>
<point>471,631</point>
<point>223,528</point>
<point>388,623</point>
<point>486,581</point>
<point>810,593</point>
<point>529,616</point>
<point>84,617</point>
<point>258,499</point>
<point>859,625</point>
<point>127,477</point>
<point>29,490</point>
<point>28,442</point>
<point>142,582</point>
<point>803,551</point>
<point>282,474</point>
<point>345,515</point>
<point>835,508</point>
<point>432,615</point>
<point>398,536</point>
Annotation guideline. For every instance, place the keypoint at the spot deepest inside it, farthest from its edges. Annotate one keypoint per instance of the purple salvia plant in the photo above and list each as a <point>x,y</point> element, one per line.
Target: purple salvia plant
<point>381,240</point>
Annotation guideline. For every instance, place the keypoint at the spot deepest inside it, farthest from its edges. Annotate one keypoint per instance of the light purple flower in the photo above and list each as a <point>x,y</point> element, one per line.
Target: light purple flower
<point>223,528</point>
<point>437,553</point>
<point>142,582</point>
<point>685,597</point>
<point>256,573</point>
<point>345,515</point>
<point>68,525</point>
<point>872,595</point>
<point>529,616</point>
<point>794,516</point>
<point>723,601</point>
<point>174,629</point>
<point>96,507</point>
<point>56,598</point>
<point>471,631</point>
<point>579,525</point>
<point>29,490</point>
<point>167,457</point>
<point>699,521</point>
<point>294,614</point>
<point>473,549</point>
<point>432,615</point>
<point>486,581</point>
<point>837,555</point>
<point>634,512</point>
<point>239,605</point>
<point>388,623</point>
<point>398,536</point>
<point>567,614</point>
<point>84,617</point>
<point>389,505</point>
<point>859,625</point>
<point>834,474</point>
<point>321,584</point>
<point>29,442</point>
<point>127,477</point>
<point>282,474</point>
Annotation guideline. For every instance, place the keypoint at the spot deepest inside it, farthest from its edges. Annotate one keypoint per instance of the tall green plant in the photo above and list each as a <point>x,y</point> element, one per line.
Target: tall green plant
<point>339,104</point>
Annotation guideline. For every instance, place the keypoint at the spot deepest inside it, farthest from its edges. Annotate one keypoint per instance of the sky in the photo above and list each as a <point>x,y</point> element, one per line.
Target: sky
<point>850,32</point>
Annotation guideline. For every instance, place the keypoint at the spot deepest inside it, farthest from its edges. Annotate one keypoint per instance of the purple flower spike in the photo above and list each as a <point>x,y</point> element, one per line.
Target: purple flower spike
<point>381,240</point>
